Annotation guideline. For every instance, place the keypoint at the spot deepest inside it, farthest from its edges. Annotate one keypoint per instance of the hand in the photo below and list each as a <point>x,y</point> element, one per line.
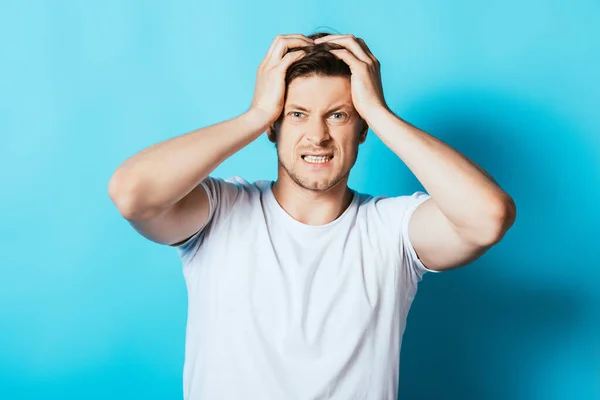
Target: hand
<point>365,82</point>
<point>270,88</point>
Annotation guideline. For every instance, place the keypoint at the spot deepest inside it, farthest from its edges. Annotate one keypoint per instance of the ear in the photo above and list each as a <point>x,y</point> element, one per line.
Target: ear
<point>271,133</point>
<point>363,133</point>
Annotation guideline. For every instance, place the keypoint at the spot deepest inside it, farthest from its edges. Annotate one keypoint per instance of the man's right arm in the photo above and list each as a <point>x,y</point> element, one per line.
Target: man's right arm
<point>158,189</point>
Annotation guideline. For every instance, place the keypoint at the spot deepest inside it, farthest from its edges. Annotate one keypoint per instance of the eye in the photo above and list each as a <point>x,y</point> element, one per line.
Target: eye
<point>342,115</point>
<point>293,114</point>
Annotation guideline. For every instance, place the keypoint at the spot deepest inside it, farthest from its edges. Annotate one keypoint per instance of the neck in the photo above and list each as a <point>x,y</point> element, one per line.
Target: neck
<point>312,207</point>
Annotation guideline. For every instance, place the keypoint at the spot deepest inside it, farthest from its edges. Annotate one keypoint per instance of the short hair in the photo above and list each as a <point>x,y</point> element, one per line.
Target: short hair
<point>317,61</point>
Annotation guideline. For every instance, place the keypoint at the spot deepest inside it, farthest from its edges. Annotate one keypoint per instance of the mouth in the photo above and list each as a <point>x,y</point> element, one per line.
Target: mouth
<point>317,159</point>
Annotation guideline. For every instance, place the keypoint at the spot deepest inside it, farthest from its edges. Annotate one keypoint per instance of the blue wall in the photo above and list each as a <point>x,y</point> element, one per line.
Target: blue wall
<point>90,309</point>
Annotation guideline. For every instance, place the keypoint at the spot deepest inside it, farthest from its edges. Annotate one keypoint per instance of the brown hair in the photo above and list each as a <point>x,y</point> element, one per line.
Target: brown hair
<point>317,61</point>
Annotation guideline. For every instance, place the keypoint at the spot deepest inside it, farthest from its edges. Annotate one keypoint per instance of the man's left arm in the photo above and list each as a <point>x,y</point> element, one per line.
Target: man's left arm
<point>467,212</point>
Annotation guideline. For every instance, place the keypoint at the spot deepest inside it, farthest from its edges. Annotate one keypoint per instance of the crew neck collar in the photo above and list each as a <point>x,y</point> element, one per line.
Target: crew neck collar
<point>270,197</point>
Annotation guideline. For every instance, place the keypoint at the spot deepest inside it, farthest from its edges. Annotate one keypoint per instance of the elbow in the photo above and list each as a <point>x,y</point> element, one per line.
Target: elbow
<point>121,192</point>
<point>130,200</point>
<point>503,218</point>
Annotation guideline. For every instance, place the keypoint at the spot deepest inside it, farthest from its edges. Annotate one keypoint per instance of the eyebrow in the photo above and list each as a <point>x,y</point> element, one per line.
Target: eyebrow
<point>297,107</point>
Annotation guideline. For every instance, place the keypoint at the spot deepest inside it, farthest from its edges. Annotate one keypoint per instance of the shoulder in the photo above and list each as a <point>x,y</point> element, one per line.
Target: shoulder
<point>391,205</point>
<point>388,213</point>
<point>231,188</point>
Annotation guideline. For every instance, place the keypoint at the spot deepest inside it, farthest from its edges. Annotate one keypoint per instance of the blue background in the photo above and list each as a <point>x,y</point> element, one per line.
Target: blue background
<point>92,310</point>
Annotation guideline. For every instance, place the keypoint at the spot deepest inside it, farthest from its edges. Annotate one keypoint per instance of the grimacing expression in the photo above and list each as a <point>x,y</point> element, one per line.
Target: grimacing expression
<point>318,133</point>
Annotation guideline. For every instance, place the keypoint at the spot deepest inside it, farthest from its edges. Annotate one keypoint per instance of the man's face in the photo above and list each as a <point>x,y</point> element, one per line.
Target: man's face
<point>319,131</point>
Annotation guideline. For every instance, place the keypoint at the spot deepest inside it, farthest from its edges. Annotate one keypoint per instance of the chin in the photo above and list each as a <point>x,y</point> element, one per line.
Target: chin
<point>321,184</point>
<point>316,185</point>
<point>312,180</point>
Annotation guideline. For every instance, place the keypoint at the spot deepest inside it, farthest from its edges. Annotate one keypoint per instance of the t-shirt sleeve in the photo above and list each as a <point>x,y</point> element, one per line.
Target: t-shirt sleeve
<point>410,257</point>
<point>394,213</point>
<point>222,194</point>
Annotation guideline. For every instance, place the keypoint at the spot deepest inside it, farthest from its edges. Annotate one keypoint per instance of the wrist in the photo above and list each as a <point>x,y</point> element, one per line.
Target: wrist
<point>258,118</point>
<point>377,116</point>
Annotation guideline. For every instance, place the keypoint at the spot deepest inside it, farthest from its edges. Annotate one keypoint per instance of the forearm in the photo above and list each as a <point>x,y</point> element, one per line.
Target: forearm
<point>164,173</point>
<point>464,192</point>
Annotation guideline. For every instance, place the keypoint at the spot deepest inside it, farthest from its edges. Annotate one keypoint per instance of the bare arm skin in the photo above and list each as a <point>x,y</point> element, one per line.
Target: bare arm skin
<point>468,212</point>
<point>157,190</point>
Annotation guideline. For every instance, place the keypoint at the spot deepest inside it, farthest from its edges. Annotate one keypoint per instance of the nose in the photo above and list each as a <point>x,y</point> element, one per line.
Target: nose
<point>317,132</point>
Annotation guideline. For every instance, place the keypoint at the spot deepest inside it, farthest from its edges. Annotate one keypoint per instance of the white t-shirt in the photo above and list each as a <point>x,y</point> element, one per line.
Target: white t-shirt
<point>278,309</point>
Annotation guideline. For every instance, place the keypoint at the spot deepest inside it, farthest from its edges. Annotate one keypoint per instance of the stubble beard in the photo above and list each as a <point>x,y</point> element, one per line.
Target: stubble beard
<point>314,184</point>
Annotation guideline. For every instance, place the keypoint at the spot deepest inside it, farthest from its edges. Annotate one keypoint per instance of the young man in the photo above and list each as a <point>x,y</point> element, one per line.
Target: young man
<point>300,288</point>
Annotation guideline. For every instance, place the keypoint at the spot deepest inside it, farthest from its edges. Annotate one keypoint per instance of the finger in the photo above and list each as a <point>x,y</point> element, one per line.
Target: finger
<point>288,36</point>
<point>289,59</point>
<point>332,38</point>
<point>367,50</point>
<point>328,38</point>
<point>351,43</point>
<point>349,58</point>
<point>282,44</point>
<point>285,45</point>
<point>267,59</point>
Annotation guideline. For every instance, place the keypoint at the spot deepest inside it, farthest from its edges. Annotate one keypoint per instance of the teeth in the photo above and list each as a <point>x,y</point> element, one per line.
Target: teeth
<point>316,159</point>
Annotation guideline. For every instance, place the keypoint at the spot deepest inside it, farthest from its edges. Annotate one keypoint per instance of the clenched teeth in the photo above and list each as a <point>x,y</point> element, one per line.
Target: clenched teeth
<point>317,159</point>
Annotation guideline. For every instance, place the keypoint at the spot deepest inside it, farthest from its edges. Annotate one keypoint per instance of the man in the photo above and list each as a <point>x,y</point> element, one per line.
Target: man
<point>300,288</point>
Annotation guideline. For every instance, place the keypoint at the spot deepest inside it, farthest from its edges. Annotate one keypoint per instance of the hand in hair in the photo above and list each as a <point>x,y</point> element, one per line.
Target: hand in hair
<point>367,89</point>
<point>270,85</point>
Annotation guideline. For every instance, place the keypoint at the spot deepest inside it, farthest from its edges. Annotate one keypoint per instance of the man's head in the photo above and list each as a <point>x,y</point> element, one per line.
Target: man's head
<point>318,118</point>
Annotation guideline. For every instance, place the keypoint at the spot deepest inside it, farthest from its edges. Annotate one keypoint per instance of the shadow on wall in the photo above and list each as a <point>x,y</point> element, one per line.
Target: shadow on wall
<point>480,332</point>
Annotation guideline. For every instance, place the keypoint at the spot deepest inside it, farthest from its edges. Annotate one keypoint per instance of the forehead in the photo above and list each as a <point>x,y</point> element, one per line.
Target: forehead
<point>319,91</point>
